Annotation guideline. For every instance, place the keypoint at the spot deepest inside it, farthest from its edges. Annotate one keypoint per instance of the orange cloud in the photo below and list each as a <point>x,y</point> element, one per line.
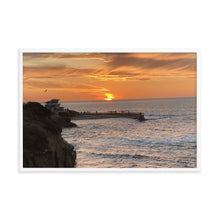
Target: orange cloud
<point>91,75</point>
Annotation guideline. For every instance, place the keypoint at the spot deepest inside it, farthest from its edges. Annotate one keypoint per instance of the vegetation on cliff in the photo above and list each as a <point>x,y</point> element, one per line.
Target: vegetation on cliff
<point>43,145</point>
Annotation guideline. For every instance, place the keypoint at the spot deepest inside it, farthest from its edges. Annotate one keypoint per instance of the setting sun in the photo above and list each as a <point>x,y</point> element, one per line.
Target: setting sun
<point>109,96</point>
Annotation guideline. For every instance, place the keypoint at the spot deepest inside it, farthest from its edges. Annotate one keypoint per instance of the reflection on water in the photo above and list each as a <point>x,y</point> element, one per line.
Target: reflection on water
<point>167,139</point>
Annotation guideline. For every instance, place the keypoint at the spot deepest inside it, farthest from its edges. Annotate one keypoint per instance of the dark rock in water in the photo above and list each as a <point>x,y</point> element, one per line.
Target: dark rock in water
<point>43,145</point>
<point>141,117</point>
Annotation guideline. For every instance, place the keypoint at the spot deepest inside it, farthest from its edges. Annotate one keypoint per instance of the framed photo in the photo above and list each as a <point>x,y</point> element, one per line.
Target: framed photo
<point>109,110</point>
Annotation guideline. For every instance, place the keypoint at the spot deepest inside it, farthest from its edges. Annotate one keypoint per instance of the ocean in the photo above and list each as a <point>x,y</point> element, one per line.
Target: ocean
<point>166,140</point>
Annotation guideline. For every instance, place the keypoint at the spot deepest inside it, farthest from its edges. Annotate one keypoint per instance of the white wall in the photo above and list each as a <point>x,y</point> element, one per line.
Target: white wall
<point>109,24</point>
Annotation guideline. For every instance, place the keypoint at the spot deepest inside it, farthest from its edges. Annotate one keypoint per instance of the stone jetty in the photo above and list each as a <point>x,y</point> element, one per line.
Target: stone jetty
<point>113,114</point>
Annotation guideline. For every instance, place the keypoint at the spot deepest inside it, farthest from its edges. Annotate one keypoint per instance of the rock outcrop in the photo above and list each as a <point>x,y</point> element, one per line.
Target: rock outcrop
<point>43,145</point>
<point>63,121</point>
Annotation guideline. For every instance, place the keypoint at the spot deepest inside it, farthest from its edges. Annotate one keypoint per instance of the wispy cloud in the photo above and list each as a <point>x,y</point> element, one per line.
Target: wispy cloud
<point>177,62</point>
<point>115,66</point>
<point>93,73</point>
<point>59,71</point>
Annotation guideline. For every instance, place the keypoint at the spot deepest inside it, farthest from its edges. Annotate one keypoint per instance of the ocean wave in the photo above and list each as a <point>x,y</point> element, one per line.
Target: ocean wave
<point>125,156</point>
<point>155,116</point>
<point>168,139</point>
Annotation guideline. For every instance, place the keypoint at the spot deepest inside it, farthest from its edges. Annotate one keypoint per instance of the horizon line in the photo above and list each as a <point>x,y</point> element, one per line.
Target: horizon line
<point>129,99</point>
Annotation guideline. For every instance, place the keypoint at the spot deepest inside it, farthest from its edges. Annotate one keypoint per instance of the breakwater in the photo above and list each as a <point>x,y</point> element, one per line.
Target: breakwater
<point>113,114</point>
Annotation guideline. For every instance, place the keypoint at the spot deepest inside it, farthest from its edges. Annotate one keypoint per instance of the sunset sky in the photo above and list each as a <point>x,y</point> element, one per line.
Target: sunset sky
<point>95,76</point>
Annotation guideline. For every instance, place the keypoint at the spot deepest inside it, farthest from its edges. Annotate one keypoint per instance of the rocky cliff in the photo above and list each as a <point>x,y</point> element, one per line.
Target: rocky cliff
<point>43,145</point>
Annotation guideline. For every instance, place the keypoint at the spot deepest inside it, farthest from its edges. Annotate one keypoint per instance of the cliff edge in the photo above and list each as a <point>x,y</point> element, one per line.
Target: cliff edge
<point>43,145</point>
